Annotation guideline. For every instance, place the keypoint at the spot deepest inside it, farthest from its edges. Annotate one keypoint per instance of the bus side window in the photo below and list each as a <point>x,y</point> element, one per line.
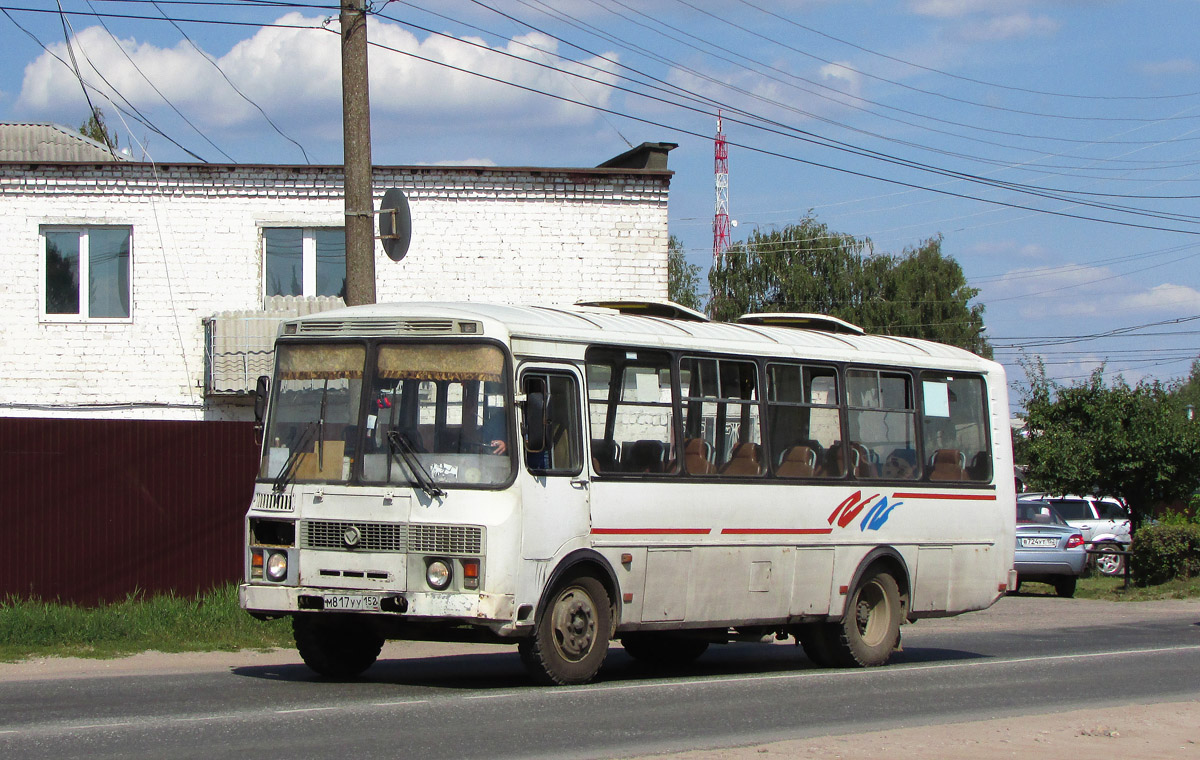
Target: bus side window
<point>562,453</point>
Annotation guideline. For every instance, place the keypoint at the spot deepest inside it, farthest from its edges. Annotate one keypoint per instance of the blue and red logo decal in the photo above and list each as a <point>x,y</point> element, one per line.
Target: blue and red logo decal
<point>877,512</point>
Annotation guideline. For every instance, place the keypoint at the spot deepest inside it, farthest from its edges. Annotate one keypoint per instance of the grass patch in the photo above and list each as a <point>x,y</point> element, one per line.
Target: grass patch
<point>207,623</point>
<point>1112,590</point>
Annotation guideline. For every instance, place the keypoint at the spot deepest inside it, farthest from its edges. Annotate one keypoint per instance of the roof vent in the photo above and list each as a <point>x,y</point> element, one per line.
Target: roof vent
<point>821,322</point>
<point>651,308</point>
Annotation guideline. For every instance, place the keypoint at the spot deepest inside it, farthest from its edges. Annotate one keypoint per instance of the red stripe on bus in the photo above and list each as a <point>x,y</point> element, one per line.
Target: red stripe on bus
<point>948,496</point>
<point>650,531</point>
<point>777,531</point>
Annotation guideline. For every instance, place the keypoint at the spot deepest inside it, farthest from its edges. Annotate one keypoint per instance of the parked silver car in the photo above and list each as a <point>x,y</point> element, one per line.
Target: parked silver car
<point>1103,522</point>
<point>1048,549</point>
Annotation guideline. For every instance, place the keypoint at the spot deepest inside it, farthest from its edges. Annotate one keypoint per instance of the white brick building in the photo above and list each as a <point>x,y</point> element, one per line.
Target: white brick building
<point>194,246</point>
<point>126,452</point>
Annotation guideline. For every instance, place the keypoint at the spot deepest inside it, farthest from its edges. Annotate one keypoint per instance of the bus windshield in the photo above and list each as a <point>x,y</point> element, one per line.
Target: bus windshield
<point>428,415</point>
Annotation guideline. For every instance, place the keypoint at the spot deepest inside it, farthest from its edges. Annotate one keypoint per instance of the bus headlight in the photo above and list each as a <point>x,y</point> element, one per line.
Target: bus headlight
<point>277,566</point>
<point>437,574</point>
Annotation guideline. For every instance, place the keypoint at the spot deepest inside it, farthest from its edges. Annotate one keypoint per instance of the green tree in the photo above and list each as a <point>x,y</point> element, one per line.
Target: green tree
<point>97,129</point>
<point>683,279</point>
<point>806,267</point>
<point>1189,391</point>
<point>1134,442</point>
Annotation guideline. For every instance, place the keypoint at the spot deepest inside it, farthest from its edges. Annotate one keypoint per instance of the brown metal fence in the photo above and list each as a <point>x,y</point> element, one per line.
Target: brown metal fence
<point>93,510</point>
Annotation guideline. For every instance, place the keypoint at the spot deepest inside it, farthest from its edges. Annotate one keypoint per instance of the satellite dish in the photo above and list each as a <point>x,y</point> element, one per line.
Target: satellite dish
<point>395,224</point>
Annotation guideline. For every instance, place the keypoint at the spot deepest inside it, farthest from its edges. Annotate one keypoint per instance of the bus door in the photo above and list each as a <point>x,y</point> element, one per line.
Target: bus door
<point>554,484</point>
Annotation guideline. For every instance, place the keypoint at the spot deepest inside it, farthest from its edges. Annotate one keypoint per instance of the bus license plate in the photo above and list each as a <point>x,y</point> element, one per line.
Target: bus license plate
<point>1039,542</point>
<point>351,602</point>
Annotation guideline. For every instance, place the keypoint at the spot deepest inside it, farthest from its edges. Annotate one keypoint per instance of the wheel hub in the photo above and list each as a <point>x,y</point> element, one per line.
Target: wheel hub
<point>574,626</point>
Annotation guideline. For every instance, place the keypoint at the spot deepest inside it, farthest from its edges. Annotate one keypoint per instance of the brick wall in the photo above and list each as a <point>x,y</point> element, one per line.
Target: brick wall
<point>508,235</point>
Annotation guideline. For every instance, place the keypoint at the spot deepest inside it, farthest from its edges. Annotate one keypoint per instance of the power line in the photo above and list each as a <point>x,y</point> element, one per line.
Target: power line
<point>236,89</point>
<point>959,76</point>
<point>147,124</point>
<point>166,100</point>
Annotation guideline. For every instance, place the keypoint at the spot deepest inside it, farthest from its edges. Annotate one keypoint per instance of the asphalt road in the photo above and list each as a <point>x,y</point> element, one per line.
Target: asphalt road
<point>1026,655</point>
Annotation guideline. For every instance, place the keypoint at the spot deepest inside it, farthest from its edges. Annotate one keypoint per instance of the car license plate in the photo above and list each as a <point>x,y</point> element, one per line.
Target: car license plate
<point>1048,543</point>
<point>351,602</point>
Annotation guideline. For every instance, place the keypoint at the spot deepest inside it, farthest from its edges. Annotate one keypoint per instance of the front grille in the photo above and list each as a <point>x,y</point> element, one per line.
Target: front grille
<point>445,539</point>
<point>273,502</point>
<point>365,326</point>
<point>393,537</point>
<point>373,537</point>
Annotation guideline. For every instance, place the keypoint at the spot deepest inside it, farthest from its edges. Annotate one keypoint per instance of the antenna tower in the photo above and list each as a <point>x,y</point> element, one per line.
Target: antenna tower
<point>721,177</point>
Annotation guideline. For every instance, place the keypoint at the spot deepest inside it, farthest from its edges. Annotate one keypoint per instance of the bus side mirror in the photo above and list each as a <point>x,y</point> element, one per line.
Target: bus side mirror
<point>262,390</point>
<point>535,421</point>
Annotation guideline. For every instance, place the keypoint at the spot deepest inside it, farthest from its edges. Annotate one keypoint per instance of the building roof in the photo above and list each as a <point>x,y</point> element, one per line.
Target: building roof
<point>35,143</point>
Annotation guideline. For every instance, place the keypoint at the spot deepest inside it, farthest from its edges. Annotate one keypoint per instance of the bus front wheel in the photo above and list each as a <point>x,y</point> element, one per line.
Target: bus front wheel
<point>336,647</point>
<point>570,639</point>
<point>870,630</point>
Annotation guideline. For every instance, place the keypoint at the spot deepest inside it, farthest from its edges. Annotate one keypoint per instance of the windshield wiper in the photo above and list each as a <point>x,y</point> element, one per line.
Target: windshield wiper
<point>293,461</point>
<point>398,442</point>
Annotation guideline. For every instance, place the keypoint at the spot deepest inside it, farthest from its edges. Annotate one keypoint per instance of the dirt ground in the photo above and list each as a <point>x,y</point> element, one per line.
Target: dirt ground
<point>1130,732</point>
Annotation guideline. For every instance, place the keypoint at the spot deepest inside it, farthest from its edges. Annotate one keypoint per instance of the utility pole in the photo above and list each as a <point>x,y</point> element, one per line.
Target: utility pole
<point>356,139</point>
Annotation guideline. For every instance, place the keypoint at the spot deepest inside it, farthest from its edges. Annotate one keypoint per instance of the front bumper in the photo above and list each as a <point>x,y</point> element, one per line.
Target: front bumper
<point>491,610</point>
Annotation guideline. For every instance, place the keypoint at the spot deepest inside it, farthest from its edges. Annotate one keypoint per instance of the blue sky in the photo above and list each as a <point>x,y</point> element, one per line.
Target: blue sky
<point>1054,144</point>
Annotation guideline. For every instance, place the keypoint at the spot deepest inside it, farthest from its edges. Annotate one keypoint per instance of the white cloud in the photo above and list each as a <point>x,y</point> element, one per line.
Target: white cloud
<point>1009,27</point>
<point>999,249</point>
<point>1173,67</point>
<point>951,8</point>
<point>1165,297</point>
<point>1085,292</point>
<point>294,75</point>
<point>847,79</point>
<point>986,20</point>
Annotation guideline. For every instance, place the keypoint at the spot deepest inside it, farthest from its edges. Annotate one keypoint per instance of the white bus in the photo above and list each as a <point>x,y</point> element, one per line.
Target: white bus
<point>561,477</point>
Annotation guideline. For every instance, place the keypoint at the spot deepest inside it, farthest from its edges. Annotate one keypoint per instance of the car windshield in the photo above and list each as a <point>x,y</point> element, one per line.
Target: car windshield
<point>1038,513</point>
<point>1074,509</point>
<point>426,415</point>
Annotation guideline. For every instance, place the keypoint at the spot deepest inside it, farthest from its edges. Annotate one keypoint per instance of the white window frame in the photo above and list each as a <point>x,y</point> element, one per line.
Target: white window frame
<point>308,256</point>
<point>84,274</point>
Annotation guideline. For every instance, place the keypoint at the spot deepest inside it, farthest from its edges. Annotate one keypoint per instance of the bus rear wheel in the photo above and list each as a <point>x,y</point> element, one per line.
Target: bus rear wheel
<point>662,650</point>
<point>571,637</point>
<point>870,630</point>
<point>336,647</point>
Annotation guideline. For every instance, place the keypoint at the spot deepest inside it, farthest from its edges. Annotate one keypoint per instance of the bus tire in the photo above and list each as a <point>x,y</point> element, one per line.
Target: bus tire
<point>337,647</point>
<point>870,630</point>
<point>570,639</point>
<point>662,650</point>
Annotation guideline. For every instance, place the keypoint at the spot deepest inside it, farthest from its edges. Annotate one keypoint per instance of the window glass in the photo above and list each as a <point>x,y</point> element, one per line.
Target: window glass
<point>331,262</point>
<point>630,409</point>
<point>562,453</point>
<point>448,406</point>
<point>955,427</point>
<point>314,413</point>
<point>881,425</point>
<point>304,261</point>
<point>722,430</point>
<point>1074,509</point>
<point>62,272</point>
<point>285,261</point>
<point>108,273</point>
<point>88,272</point>
<point>805,421</point>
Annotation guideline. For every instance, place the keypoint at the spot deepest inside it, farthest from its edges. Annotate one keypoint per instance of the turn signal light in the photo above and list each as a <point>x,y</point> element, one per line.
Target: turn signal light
<point>470,569</point>
<point>1075,540</point>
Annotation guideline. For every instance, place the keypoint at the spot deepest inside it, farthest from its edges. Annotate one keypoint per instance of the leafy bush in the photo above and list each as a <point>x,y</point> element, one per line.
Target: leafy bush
<point>1164,552</point>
